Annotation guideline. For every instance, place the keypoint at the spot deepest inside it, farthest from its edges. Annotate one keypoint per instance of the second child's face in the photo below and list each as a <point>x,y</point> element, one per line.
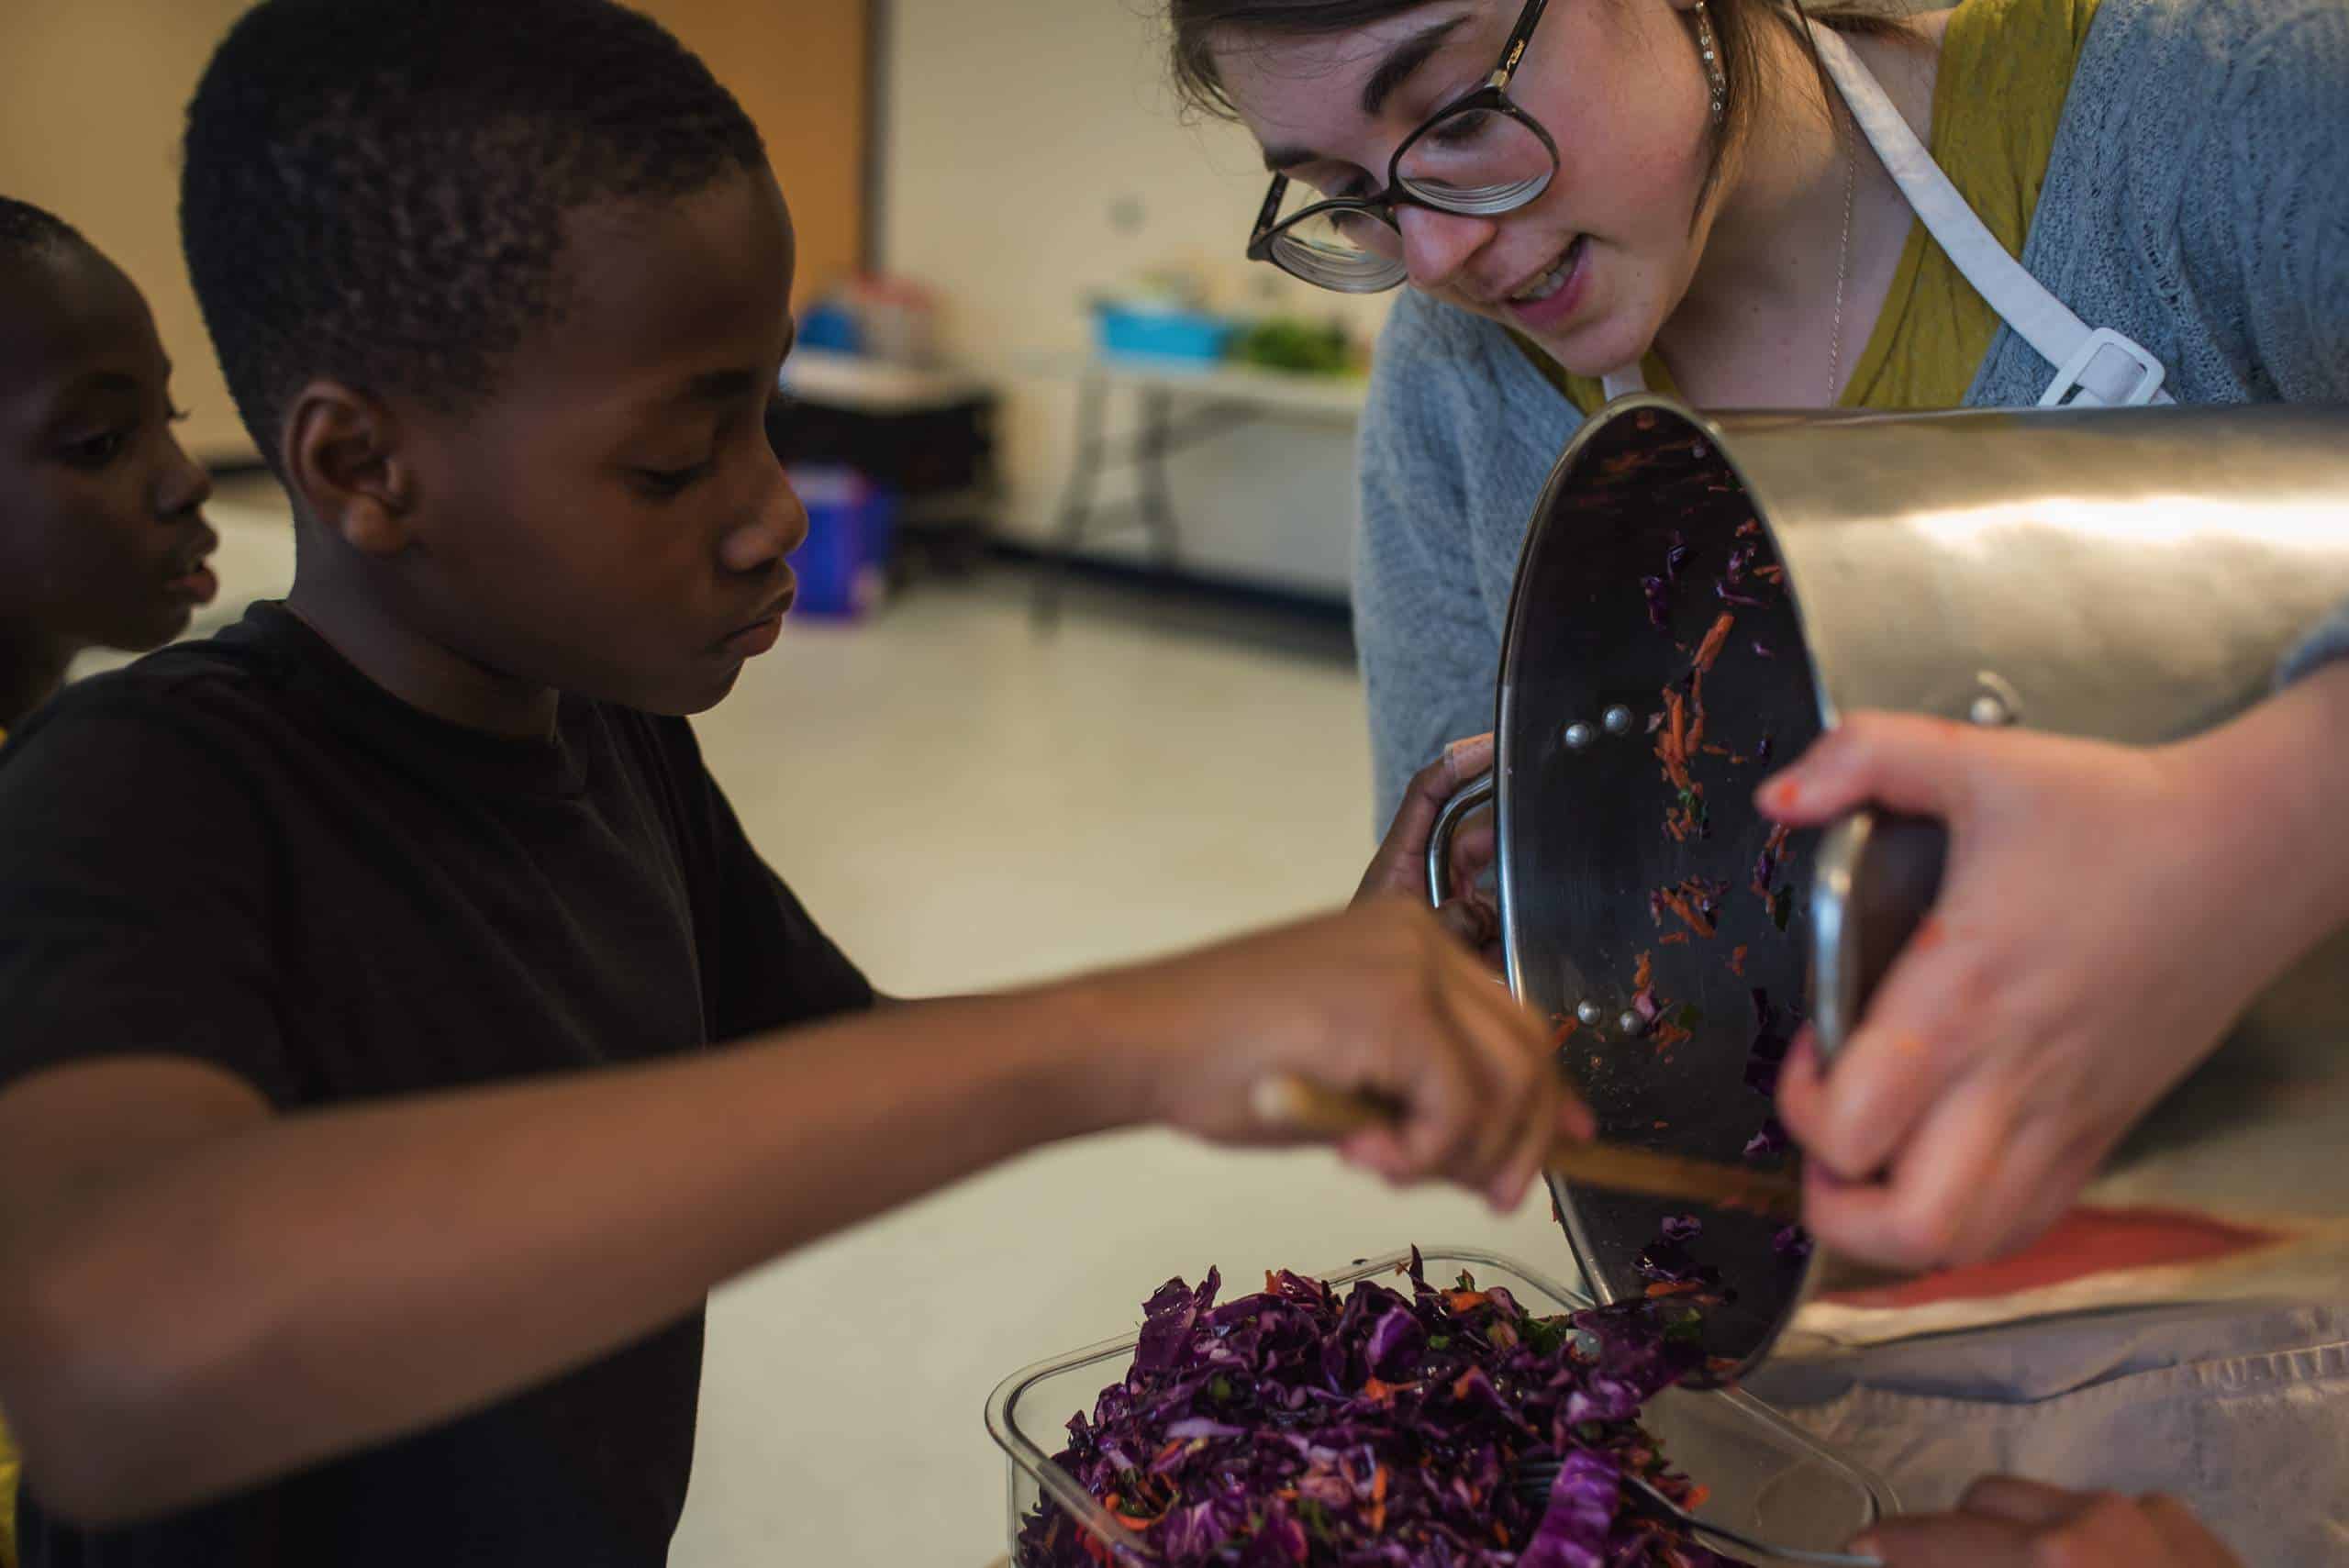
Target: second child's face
<point>102,538</point>
<point>612,521</point>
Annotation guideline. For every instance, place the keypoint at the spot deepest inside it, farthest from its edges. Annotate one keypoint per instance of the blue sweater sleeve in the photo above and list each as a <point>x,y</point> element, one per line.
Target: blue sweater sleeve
<point>2329,642</point>
<point>2283,187</point>
<point>1428,649</point>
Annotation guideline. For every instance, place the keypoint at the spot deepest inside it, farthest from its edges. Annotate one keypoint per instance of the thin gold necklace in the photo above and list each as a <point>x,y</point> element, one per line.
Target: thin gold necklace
<point>1842,257</point>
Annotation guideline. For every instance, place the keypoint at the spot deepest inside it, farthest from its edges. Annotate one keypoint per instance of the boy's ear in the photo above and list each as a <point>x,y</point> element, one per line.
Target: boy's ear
<point>345,462</point>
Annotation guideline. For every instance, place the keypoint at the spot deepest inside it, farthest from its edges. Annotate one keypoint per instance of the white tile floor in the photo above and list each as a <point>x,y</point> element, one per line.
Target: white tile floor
<point>964,805</point>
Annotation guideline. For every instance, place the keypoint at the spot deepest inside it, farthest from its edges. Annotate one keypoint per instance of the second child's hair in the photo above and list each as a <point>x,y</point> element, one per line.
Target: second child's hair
<point>26,230</point>
<point>374,190</point>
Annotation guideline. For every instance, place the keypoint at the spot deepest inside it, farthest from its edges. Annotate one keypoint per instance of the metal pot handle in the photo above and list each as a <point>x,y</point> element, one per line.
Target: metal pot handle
<point>1476,791</point>
<point>1874,878</point>
<point>1479,791</point>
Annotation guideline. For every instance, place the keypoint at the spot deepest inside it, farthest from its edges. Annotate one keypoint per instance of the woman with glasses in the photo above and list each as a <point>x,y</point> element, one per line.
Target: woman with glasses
<point>2013,202</point>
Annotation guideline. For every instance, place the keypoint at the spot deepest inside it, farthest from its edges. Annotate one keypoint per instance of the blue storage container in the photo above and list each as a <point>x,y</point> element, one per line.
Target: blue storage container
<point>844,567</point>
<point>1161,333</point>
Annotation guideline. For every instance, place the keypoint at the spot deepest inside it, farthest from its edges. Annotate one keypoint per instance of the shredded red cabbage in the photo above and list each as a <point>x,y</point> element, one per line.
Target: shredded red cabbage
<point>1384,1429</point>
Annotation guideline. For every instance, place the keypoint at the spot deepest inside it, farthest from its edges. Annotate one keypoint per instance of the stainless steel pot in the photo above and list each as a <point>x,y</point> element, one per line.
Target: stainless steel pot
<point>2133,576</point>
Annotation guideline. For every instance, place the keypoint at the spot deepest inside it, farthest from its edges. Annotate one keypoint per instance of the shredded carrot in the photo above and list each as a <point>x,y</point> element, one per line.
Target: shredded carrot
<point>1737,961</point>
<point>1676,1287</point>
<point>1749,528</point>
<point>1771,573</point>
<point>1668,1035</point>
<point>1465,1300</point>
<point>1677,939</point>
<point>1710,649</point>
<point>1678,903</point>
<point>1697,1497</point>
<point>1564,1031</point>
<point>1672,741</point>
<point>1645,976</point>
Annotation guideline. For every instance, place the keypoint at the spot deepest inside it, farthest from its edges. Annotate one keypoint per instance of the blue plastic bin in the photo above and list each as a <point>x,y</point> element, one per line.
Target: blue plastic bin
<point>1163,334</point>
<point>844,566</point>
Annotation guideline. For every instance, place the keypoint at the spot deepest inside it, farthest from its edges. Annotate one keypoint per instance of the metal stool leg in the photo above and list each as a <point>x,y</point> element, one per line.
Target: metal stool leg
<point>1157,508</point>
<point>1077,501</point>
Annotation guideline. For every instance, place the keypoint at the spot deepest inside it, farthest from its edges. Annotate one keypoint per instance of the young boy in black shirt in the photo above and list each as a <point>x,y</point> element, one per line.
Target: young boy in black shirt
<point>401,1037</point>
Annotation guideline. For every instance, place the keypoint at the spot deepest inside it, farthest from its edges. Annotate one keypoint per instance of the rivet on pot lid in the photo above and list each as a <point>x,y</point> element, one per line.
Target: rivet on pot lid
<point>1618,720</point>
<point>1994,703</point>
<point>1629,1023</point>
<point>1577,736</point>
<point>1589,1013</point>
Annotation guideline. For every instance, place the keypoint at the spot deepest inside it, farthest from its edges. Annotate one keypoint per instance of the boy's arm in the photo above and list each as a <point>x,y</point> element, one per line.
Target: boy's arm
<point>196,1293</point>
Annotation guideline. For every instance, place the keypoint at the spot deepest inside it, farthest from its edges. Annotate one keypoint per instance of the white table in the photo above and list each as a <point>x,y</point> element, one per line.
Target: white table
<point>1177,404</point>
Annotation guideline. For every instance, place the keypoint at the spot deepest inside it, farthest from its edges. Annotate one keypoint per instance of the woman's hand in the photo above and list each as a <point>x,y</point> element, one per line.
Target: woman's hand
<point>1379,999</point>
<point>2106,914</point>
<point>1400,866</point>
<point>2006,1523</point>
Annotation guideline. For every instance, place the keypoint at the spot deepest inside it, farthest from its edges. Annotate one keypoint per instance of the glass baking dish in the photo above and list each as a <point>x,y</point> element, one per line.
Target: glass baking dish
<point>1768,1478</point>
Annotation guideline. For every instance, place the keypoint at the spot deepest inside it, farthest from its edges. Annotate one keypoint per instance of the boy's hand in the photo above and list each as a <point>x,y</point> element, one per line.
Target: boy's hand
<point>1380,998</point>
<point>1400,866</point>
<point>2006,1523</point>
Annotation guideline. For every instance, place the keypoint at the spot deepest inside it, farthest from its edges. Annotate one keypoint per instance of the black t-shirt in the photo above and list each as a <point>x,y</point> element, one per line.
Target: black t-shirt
<point>243,851</point>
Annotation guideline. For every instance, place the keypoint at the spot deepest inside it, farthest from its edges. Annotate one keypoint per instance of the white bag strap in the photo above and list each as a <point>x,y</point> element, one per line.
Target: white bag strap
<point>2093,368</point>
<point>2098,367</point>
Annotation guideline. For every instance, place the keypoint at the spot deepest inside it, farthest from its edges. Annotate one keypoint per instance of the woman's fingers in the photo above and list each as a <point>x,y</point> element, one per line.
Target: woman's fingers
<point>1905,762</point>
<point>1982,1179</point>
<point>1928,1209</point>
<point>1911,1045</point>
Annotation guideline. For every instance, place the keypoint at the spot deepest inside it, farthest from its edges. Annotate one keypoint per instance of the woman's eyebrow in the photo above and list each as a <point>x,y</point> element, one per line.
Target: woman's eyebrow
<point>1402,61</point>
<point>1400,64</point>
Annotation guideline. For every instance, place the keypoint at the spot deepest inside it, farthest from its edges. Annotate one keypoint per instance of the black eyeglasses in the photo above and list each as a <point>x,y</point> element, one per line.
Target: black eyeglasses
<point>1478,156</point>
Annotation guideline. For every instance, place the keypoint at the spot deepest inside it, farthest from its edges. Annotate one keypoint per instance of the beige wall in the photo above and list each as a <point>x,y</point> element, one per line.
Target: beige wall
<point>1033,155</point>
<point>798,67</point>
<point>92,94</point>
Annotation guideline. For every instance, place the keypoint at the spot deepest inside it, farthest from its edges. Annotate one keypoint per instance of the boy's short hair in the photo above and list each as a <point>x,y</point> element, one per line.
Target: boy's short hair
<point>374,190</point>
<point>26,229</point>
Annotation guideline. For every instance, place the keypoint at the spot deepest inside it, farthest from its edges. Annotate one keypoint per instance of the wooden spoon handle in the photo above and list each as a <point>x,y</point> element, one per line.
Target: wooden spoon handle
<point>1298,1105</point>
